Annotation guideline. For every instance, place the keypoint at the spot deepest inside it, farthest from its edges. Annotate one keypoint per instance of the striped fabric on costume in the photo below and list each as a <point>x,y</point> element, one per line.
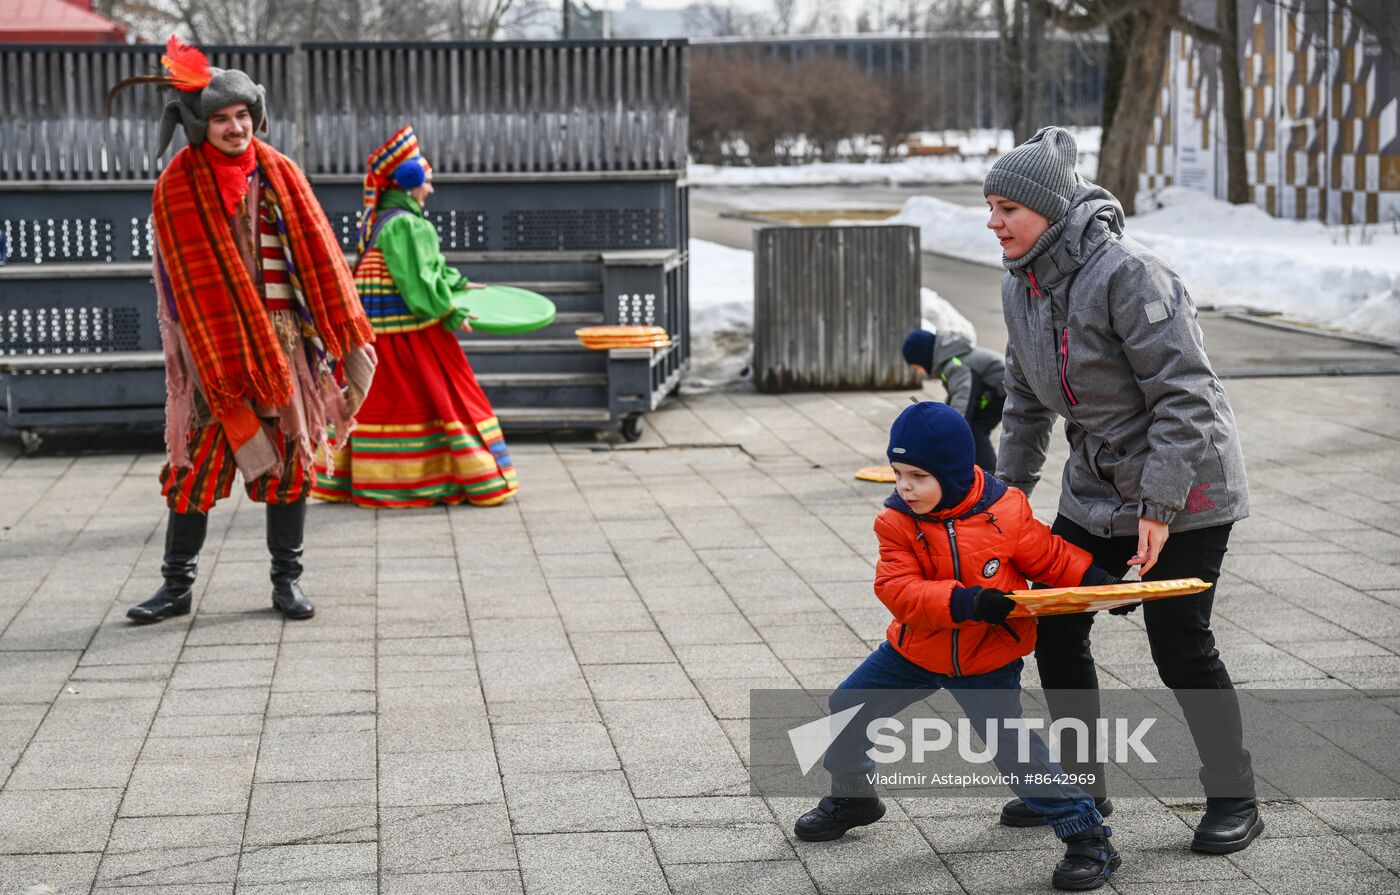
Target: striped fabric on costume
<point>385,307</point>
<point>209,478</point>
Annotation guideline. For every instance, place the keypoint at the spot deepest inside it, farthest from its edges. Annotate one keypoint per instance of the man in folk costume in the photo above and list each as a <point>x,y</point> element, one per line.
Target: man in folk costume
<point>255,301</point>
<point>426,433</point>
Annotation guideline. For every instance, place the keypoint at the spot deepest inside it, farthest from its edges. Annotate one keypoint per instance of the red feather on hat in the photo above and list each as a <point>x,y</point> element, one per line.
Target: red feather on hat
<point>188,67</point>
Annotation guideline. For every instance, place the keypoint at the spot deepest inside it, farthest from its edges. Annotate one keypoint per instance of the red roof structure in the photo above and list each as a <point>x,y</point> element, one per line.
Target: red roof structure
<point>56,22</point>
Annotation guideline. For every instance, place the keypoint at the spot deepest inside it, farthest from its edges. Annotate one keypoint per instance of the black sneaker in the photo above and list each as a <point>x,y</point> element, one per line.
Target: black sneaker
<point>833,816</point>
<point>1229,825</point>
<point>1016,813</point>
<point>1090,859</point>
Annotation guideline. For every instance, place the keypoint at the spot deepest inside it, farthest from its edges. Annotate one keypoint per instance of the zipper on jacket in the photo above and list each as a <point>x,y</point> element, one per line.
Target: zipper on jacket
<point>902,629</point>
<point>1064,368</point>
<point>957,576</point>
<point>1035,287</point>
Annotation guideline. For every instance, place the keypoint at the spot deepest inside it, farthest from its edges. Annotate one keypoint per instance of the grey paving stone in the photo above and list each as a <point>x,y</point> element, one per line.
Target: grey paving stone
<point>220,701</point>
<point>358,885</point>
<point>312,812</point>
<point>623,647</point>
<point>184,866</point>
<point>296,704</point>
<point>570,802</point>
<point>486,882</point>
<point>278,864</point>
<point>730,660</point>
<point>224,888</point>
<point>191,787</point>
<point>885,857</point>
<point>438,778</point>
<point>547,747</point>
<point>34,676</point>
<point>329,755</point>
<point>720,844</point>
<point>685,628</point>
<point>62,873</point>
<point>656,681</point>
<point>587,863</point>
<point>446,839</point>
<point>1299,859</point>
<point>49,821</point>
<point>746,878</point>
<point>509,712</point>
<point>75,764</point>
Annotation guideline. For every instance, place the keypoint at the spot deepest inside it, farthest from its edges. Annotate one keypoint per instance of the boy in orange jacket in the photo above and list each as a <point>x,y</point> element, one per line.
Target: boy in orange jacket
<point>953,540</point>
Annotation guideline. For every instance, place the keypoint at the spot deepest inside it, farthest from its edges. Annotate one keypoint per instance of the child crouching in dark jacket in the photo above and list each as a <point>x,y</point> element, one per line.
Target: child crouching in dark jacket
<point>953,540</point>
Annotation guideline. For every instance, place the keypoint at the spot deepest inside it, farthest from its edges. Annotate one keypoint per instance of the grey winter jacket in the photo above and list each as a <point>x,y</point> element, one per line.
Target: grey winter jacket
<point>1103,333</point>
<point>956,362</point>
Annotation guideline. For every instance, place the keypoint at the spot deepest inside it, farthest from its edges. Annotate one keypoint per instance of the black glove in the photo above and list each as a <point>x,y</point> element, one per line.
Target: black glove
<point>992,606</point>
<point>1124,610</point>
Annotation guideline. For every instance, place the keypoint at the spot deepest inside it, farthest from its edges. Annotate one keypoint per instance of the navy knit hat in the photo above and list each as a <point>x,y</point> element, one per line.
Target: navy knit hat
<point>918,349</point>
<point>935,438</point>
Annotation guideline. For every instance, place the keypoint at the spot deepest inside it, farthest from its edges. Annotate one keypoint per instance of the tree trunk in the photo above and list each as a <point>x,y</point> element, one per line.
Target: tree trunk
<point>1237,189</point>
<point>1119,37</point>
<point>1125,141</point>
<point>1032,73</point>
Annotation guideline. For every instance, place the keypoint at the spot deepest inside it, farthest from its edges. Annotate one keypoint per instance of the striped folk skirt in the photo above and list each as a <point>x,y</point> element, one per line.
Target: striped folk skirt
<point>426,433</point>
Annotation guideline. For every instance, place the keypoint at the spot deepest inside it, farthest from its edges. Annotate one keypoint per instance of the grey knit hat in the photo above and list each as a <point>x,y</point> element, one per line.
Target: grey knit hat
<point>1039,173</point>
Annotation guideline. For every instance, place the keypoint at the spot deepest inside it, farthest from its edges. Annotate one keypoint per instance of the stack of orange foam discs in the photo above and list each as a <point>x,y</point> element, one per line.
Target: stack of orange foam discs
<point>601,338</point>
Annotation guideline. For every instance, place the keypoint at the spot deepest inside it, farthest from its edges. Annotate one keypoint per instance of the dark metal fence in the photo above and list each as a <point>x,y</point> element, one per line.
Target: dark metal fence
<point>832,305</point>
<point>481,107</point>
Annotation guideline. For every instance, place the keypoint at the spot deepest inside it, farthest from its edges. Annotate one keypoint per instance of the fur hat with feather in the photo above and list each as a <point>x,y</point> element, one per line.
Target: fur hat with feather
<point>200,91</point>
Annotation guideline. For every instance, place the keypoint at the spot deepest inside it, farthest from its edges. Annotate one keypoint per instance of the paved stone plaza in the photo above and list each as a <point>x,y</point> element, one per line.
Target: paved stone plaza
<point>550,696</point>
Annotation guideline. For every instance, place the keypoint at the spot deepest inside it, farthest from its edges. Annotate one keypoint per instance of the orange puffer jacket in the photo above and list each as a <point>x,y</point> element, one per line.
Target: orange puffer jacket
<point>989,539</point>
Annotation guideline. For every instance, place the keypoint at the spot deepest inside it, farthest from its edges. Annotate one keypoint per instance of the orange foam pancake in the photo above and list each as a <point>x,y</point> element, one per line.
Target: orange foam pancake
<point>876,474</point>
<point>1069,600</point>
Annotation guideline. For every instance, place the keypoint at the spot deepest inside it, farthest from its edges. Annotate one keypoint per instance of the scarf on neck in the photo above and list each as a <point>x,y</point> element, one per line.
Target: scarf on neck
<point>222,314</point>
<point>231,173</point>
<point>1046,240</point>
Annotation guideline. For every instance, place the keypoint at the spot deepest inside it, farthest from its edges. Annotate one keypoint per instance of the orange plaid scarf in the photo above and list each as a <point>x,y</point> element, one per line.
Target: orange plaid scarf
<point>222,314</point>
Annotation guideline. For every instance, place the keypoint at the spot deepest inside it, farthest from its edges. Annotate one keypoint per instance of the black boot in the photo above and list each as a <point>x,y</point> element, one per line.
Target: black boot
<point>184,538</point>
<point>1229,825</point>
<point>834,815</point>
<point>1016,813</point>
<point>1090,859</point>
<point>285,523</point>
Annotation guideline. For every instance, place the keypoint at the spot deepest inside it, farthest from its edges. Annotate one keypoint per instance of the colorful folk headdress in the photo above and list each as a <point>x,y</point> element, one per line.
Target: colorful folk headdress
<point>398,163</point>
<point>200,91</point>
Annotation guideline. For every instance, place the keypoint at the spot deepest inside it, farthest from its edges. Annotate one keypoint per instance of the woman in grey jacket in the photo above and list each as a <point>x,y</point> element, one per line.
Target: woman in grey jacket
<point>1102,333</point>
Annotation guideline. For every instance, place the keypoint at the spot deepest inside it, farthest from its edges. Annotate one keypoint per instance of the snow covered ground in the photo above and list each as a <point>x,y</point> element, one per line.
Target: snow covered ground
<point>721,317</point>
<point>1228,255</point>
<point>970,165</point>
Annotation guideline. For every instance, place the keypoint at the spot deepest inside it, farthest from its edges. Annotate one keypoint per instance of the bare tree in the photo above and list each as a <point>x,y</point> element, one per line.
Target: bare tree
<point>720,19</point>
<point>1139,33</point>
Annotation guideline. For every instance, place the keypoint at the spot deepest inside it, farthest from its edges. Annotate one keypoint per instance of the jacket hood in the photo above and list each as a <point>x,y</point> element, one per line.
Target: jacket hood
<point>948,346</point>
<point>993,489</point>
<point>1094,217</point>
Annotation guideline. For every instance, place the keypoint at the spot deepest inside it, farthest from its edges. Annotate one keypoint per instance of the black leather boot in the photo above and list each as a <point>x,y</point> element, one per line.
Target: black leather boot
<point>285,523</point>
<point>1090,859</point>
<point>834,815</point>
<point>184,538</point>
<point>1016,813</point>
<point>1229,825</point>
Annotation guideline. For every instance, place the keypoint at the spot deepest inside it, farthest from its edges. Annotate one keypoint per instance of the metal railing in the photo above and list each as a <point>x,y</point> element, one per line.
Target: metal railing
<point>498,107</point>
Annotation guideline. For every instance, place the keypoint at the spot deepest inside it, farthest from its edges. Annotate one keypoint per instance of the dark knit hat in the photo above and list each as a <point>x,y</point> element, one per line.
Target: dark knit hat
<point>935,438</point>
<point>918,348</point>
<point>1039,173</point>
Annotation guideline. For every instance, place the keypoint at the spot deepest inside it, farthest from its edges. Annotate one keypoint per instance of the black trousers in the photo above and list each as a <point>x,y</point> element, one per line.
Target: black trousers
<point>1183,648</point>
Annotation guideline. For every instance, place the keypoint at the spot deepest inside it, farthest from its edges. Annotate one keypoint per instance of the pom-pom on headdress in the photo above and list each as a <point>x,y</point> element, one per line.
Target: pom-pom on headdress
<point>400,155</point>
<point>200,91</point>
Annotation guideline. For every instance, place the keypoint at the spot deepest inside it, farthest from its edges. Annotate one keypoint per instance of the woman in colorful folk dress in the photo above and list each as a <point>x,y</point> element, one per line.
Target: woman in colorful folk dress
<point>426,433</point>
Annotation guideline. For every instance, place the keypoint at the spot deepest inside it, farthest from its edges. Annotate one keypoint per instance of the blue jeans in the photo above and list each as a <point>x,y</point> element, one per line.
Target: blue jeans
<point>996,694</point>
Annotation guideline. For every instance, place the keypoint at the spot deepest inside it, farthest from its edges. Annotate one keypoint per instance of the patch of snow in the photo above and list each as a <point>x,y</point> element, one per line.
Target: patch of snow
<point>941,317</point>
<point>721,317</point>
